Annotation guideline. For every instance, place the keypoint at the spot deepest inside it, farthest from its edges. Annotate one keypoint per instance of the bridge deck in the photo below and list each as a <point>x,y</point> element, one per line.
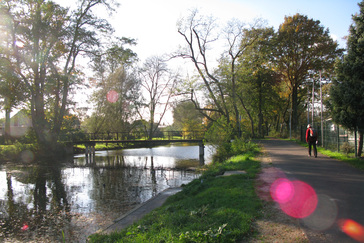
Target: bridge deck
<point>157,141</point>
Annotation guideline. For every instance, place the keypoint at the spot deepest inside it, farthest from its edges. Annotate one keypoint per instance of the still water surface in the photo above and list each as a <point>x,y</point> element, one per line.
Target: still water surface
<point>74,198</point>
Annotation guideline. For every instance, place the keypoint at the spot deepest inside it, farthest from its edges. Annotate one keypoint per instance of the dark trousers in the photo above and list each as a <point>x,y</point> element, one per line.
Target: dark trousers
<point>310,145</point>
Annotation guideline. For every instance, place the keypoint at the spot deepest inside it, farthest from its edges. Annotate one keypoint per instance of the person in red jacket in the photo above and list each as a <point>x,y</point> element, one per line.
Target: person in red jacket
<point>311,139</point>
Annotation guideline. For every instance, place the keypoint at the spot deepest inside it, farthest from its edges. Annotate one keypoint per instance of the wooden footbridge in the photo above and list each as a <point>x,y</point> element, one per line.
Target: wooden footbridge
<point>140,139</point>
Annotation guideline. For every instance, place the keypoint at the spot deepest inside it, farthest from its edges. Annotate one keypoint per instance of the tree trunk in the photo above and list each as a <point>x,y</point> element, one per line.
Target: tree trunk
<point>151,124</point>
<point>260,113</point>
<point>233,91</point>
<point>360,145</point>
<point>260,125</point>
<point>7,134</point>
<point>294,109</point>
<point>249,115</point>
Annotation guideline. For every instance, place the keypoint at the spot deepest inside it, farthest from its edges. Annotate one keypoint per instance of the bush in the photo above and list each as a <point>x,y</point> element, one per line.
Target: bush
<point>239,146</point>
<point>219,133</point>
<point>14,152</point>
<point>347,148</point>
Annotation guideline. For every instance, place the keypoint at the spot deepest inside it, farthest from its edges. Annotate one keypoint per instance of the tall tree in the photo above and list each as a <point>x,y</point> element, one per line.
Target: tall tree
<point>114,102</point>
<point>158,83</point>
<point>52,40</point>
<point>186,117</point>
<point>302,45</point>
<point>12,92</point>
<point>11,88</point>
<point>346,101</point>
<point>116,88</point>
<point>198,33</point>
<point>256,79</point>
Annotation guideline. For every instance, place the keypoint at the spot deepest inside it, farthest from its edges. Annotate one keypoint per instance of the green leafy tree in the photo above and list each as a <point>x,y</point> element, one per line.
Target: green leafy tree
<point>114,102</point>
<point>199,33</point>
<point>257,81</point>
<point>302,46</point>
<point>253,78</point>
<point>12,90</point>
<point>346,101</point>
<point>51,40</point>
<point>186,117</point>
<point>13,93</point>
<point>116,89</point>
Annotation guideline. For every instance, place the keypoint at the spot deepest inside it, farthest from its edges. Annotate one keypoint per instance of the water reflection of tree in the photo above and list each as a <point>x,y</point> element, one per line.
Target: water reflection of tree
<point>35,212</point>
<point>119,186</point>
<point>154,179</point>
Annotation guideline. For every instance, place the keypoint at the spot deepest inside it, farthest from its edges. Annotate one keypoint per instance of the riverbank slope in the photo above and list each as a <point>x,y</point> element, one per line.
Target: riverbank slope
<point>214,208</point>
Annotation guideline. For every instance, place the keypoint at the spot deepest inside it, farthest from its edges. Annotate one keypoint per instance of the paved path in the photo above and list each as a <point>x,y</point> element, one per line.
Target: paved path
<point>340,188</point>
<point>141,210</point>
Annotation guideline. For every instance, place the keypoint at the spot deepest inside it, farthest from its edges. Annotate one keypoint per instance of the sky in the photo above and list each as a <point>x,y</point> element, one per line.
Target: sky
<point>153,23</point>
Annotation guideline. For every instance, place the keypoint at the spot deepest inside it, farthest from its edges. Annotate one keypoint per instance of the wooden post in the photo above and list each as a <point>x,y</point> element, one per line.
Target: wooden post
<point>356,143</point>
<point>86,150</point>
<point>202,153</point>
<point>338,138</point>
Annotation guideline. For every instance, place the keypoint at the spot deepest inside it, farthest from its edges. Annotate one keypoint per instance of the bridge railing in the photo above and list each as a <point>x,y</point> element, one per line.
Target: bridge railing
<point>138,135</point>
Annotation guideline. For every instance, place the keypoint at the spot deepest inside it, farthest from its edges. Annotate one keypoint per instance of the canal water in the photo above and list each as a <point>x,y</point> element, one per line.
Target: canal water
<point>74,198</point>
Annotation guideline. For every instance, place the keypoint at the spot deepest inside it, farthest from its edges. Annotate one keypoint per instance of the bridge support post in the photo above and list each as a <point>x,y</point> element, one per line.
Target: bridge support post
<point>202,153</point>
<point>87,147</point>
<point>90,151</point>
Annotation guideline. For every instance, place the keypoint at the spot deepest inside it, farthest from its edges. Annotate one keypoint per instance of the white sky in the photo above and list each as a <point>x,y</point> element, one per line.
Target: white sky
<point>153,22</point>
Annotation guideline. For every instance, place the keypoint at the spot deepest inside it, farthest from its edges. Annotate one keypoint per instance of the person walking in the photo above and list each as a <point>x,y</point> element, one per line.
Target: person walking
<point>311,139</point>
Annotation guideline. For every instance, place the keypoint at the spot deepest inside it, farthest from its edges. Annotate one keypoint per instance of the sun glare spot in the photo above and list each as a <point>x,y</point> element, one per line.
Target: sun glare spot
<point>112,96</point>
<point>352,229</point>
<point>19,44</point>
<point>27,156</point>
<point>296,198</point>
<point>282,190</point>
<point>325,214</point>
<point>25,227</point>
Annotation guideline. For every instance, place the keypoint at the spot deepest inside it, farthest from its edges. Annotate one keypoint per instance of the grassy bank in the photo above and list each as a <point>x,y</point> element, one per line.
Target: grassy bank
<point>213,208</point>
<point>16,151</point>
<point>347,158</point>
<point>355,162</point>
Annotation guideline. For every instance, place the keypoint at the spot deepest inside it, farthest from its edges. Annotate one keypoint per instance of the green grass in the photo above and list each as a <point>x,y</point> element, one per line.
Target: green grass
<point>212,208</point>
<point>101,146</point>
<point>13,152</point>
<point>355,162</point>
<point>349,159</point>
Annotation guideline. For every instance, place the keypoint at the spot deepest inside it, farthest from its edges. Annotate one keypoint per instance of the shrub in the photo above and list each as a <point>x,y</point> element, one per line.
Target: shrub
<point>13,152</point>
<point>347,148</point>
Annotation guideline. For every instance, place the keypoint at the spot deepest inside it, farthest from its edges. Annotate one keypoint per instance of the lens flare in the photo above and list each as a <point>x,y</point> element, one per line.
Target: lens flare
<point>325,214</point>
<point>352,229</point>
<point>27,156</point>
<point>296,198</point>
<point>282,190</point>
<point>112,96</point>
<point>25,227</point>
<point>265,180</point>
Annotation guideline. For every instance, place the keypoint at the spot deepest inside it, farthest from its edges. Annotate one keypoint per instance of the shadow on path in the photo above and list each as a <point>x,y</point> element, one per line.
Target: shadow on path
<point>338,186</point>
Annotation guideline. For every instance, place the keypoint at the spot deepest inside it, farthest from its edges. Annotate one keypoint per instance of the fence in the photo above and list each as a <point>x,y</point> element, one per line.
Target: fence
<point>136,135</point>
<point>334,138</point>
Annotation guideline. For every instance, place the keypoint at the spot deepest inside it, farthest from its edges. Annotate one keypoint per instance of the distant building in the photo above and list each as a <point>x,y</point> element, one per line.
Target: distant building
<point>19,124</point>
